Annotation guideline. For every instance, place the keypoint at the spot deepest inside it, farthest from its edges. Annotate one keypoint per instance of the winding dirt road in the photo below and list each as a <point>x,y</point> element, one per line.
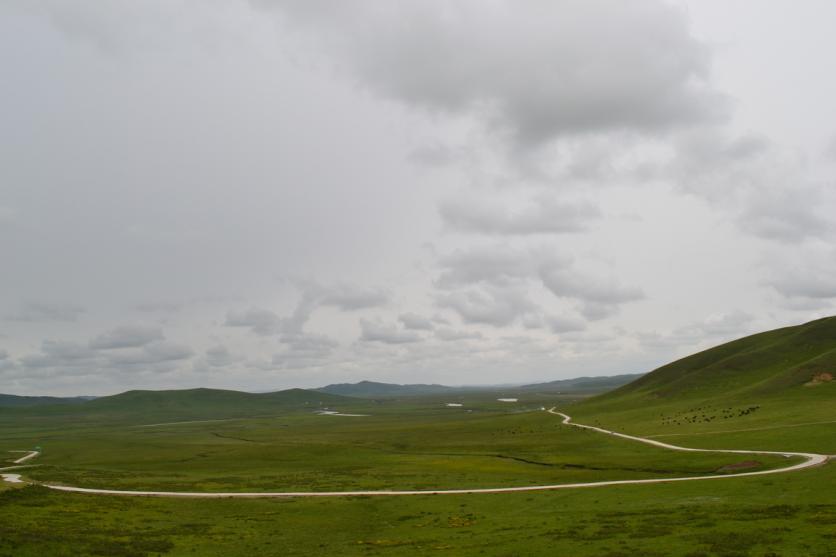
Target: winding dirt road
<point>29,456</point>
<point>810,459</point>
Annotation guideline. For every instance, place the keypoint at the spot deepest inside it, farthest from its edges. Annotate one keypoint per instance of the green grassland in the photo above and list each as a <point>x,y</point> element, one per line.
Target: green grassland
<point>398,445</point>
<point>756,393</point>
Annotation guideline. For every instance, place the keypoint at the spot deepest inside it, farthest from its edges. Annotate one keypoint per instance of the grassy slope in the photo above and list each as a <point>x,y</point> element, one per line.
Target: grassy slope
<point>758,384</point>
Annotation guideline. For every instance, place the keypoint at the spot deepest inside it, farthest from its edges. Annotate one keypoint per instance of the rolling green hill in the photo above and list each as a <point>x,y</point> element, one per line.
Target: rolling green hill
<point>762,364</point>
<point>187,404</point>
<point>775,379</point>
<point>20,401</point>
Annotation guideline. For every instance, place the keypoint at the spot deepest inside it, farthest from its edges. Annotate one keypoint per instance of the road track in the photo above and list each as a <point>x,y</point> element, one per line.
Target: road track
<point>810,460</point>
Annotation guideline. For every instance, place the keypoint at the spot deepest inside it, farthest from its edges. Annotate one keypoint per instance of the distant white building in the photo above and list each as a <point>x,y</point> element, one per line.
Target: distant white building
<point>507,399</point>
<point>453,404</point>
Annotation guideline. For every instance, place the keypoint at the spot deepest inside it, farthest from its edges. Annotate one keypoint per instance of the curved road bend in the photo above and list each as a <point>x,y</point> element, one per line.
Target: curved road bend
<point>810,459</point>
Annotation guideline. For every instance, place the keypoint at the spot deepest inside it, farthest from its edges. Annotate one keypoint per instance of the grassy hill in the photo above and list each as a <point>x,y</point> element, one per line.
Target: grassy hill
<point>7,401</point>
<point>775,379</point>
<point>186,404</point>
<point>583,384</point>
<point>765,363</point>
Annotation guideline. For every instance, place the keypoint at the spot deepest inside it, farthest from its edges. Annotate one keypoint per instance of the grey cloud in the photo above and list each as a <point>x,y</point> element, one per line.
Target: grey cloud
<point>6,362</point>
<point>730,324</point>
<point>562,324</point>
<point>767,192</point>
<point>127,336</point>
<point>540,69</point>
<point>433,155</point>
<point>495,264</point>
<point>345,297</point>
<point>151,307</point>
<point>487,304</point>
<point>789,214</point>
<point>7,215</point>
<point>310,343</point>
<point>42,312</point>
<point>348,297</point>
<point>812,282</point>
<point>830,150</point>
<point>543,216</point>
<point>416,322</point>
<point>797,303</point>
<point>155,353</point>
<point>449,335</point>
<point>304,350</point>
<point>259,321</point>
<point>599,298</point>
<point>376,331</point>
<point>532,321</point>
<point>220,356</point>
<point>60,354</point>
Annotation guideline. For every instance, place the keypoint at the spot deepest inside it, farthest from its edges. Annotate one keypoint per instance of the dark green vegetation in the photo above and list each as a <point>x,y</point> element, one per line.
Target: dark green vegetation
<point>769,391</point>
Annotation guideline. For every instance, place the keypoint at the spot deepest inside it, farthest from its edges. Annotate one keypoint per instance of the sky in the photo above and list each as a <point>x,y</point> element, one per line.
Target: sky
<point>267,194</point>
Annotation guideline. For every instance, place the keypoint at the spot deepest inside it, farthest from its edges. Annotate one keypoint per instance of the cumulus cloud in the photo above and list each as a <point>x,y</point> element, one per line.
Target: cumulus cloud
<point>44,311</point>
<point>722,325</point>
<point>377,331</point>
<point>350,297</point>
<point>343,296</point>
<point>126,336</point>
<point>60,353</point>
<point>493,264</point>
<point>787,214</point>
<point>258,321</point>
<point>488,304</point>
<point>151,307</point>
<point>543,216</point>
<point>450,335</point>
<point>538,69</point>
<point>767,192</point>
<point>812,281</point>
<point>304,350</point>
<point>220,356</point>
<point>599,297</point>
<point>6,362</point>
<point>416,322</point>
<point>565,324</point>
<point>57,358</point>
<point>151,354</point>
<point>7,215</point>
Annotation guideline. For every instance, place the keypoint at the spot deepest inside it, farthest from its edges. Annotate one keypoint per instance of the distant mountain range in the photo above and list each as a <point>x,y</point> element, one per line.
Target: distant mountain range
<point>579,385</point>
<point>196,402</point>
<point>183,404</point>
<point>23,401</point>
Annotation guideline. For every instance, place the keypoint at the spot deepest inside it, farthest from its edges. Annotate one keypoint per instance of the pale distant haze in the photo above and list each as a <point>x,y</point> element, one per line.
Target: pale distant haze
<point>290,193</point>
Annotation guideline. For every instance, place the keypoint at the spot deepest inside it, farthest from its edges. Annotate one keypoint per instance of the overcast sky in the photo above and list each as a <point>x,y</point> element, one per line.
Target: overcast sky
<point>268,194</point>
